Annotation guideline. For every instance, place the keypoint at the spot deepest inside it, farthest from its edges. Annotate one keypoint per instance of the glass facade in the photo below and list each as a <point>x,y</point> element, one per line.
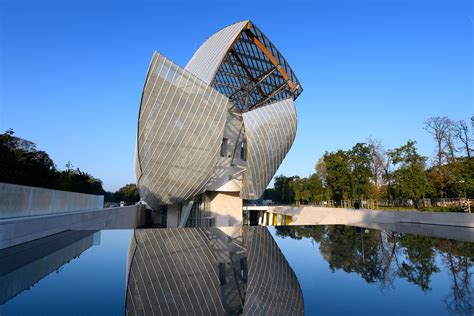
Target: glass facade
<point>179,133</point>
<point>270,131</point>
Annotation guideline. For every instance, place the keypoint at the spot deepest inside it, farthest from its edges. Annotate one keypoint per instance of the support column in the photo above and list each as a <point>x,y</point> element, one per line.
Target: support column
<point>226,207</point>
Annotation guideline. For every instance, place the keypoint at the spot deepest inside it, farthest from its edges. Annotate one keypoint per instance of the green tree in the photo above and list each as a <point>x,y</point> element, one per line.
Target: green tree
<point>307,190</point>
<point>338,174</point>
<point>461,182</point>
<point>298,186</point>
<point>410,177</point>
<point>316,188</point>
<point>360,164</point>
<point>127,193</point>
<point>21,163</point>
<point>283,191</point>
<point>269,194</point>
<point>75,180</point>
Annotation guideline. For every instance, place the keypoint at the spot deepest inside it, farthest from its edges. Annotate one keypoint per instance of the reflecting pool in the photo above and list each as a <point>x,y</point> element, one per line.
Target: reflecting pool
<point>324,270</point>
<point>86,276</point>
<point>350,270</point>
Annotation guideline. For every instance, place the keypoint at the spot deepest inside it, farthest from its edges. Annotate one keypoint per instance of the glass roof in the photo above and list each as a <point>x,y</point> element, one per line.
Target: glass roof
<point>254,73</point>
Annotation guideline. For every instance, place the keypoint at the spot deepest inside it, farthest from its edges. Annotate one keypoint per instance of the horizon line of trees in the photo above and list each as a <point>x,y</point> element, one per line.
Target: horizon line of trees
<point>369,171</point>
<point>22,163</point>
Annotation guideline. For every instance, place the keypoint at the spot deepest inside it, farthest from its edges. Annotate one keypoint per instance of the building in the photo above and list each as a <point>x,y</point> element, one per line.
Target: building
<point>215,132</point>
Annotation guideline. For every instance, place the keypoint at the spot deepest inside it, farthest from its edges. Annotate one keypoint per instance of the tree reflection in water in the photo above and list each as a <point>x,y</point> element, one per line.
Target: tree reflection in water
<point>381,257</point>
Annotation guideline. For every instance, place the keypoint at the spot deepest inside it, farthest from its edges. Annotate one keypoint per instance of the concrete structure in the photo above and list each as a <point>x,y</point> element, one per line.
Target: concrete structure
<point>215,132</point>
<point>209,271</point>
<point>309,215</point>
<point>20,230</point>
<point>19,200</point>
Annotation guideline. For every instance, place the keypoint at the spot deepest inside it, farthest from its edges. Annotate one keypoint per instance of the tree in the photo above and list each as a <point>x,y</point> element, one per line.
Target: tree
<point>461,182</point>
<point>299,188</point>
<point>269,194</point>
<point>441,128</point>
<point>463,135</point>
<point>75,180</point>
<point>381,165</point>
<point>283,191</point>
<point>321,174</point>
<point>410,176</point>
<point>360,164</point>
<point>338,176</point>
<point>21,163</point>
<point>127,193</point>
<point>307,190</point>
<point>316,187</point>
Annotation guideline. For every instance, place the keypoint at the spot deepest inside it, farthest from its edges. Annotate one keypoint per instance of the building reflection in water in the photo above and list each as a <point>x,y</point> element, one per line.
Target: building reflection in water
<point>24,265</point>
<point>381,257</point>
<point>209,271</point>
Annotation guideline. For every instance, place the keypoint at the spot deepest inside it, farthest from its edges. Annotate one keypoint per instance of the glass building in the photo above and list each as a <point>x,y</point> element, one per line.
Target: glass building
<point>215,132</point>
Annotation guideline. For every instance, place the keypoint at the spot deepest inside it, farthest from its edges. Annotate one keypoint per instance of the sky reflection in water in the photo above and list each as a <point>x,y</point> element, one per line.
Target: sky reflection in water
<point>93,283</point>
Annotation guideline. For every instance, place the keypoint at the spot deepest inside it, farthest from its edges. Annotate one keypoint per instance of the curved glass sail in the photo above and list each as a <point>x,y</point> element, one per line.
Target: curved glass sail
<point>180,127</point>
<point>270,131</point>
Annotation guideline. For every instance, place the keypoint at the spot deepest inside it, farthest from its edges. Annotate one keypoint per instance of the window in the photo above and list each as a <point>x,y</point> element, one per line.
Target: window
<point>224,147</point>
<point>243,151</point>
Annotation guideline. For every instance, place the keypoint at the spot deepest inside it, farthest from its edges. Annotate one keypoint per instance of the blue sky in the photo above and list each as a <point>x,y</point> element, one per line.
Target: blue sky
<point>71,72</point>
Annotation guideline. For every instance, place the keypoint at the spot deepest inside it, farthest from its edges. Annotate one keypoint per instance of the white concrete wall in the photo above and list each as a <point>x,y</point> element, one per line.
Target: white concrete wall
<point>20,200</point>
<point>14,231</point>
<point>227,208</point>
<point>309,215</point>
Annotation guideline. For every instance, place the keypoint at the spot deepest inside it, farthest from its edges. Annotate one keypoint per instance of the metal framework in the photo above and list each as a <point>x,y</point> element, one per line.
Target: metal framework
<point>254,72</point>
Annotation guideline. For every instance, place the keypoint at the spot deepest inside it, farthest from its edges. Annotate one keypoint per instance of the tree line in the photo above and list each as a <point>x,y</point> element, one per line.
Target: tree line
<point>369,171</point>
<point>22,163</point>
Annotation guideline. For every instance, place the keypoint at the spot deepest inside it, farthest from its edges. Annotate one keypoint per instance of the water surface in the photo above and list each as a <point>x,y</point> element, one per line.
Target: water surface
<point>340,269</point>
<point>349,270</point>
